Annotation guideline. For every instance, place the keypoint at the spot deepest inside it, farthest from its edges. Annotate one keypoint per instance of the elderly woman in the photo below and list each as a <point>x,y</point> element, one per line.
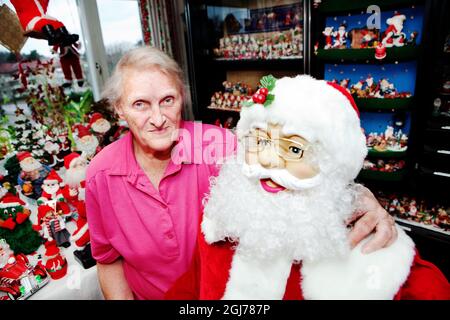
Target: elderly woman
<point>144,192</point>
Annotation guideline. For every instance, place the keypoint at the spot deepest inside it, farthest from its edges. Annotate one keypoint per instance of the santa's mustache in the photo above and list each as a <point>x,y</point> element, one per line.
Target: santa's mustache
<point>280,176</point>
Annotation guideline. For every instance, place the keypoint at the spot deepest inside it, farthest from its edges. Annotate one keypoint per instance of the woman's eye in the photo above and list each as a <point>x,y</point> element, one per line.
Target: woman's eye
<point>168,101</point>
<point>139,105</point>
<point>294,149</point>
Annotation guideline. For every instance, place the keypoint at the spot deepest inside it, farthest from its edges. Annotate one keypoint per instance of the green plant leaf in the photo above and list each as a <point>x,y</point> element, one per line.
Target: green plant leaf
<point>247,103</point>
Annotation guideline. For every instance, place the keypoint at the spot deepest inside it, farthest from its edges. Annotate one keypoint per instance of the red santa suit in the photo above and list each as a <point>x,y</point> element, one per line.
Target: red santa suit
<point>70,60</point>
<point>217,273</point>
<point>52,177</point>
<point>33,15</point>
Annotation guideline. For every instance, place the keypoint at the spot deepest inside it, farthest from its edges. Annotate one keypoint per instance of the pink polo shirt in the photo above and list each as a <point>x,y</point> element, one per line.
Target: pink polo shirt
<point>153,231</point>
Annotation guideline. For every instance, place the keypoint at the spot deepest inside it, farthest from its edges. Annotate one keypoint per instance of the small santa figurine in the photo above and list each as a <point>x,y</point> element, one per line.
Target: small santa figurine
<point>328,33</point>
<point>87,143</point>
<point>32,175</point>
<point>99,126</point>
<point>340,37</point>
<point>393,36</point>
<point>274,222</point>
<point>55,262</point>
<point>38,24</point>
<point>75,176</point>
<point>52,226</point>
<point>51,188</point>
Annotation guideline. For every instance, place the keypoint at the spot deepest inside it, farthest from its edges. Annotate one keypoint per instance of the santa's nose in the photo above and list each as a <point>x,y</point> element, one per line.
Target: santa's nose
<point>268,158</point>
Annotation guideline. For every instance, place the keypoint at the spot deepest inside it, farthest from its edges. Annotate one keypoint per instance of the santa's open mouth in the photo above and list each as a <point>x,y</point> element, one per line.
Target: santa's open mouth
<point>270,186</point>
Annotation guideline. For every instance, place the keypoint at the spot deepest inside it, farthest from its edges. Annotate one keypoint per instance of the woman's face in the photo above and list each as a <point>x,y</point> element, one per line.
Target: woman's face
<point>151,105</point>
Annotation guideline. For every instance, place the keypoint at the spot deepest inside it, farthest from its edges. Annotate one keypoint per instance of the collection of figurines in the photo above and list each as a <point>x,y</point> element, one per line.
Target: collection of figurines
<point>381,165</point>
<point>229,123</point>
<point>48,181</point>
<point>369,88</point>
<point>232,97</point>
<point>411,209</point>
<point>362,38</point>
<point>287,44</point>
<point>387,141</point>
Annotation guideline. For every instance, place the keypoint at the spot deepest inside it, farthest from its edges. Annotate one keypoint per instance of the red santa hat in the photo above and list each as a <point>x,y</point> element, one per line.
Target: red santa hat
<point>320,112</point>
<point>69,159</point>
<point>23,155</point>
<point>83,131</point>
<point>53,177</point>
<point>10,200</point>
<point>96,116</point>
<point>42,211</point>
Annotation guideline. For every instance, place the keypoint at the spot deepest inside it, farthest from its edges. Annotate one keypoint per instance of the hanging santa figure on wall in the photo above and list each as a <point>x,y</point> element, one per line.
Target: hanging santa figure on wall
<point>274,223</point>
<point>38,24</point>
<point>69,59</point>
<point>393,36</point>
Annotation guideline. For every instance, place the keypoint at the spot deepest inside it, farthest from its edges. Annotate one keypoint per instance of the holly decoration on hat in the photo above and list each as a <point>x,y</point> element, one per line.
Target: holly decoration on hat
<point>263,95</point>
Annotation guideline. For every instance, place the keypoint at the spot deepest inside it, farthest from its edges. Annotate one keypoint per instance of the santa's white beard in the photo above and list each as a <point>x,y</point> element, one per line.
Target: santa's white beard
<point>89,147</point>
<point>50,189</point>
<point>300,225</point>
<point>31,166</point>
<point>101,127</point>
<point>74,176</point>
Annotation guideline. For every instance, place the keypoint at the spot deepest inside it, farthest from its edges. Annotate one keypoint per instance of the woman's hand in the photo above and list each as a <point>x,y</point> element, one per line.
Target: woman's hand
<point>369,217</point>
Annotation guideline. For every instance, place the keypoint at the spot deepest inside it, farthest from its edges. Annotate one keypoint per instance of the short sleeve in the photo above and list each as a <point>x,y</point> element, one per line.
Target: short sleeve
<point>227,148</point>
<point>102,250</point>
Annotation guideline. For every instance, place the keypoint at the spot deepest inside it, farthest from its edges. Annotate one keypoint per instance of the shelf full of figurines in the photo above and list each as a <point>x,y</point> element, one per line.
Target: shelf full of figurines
<point>369,38</point>
<point>232,97</point>
<point>387,141</point>
<point>373,89</point>
<point>286,44</point>
<point>431,215</point>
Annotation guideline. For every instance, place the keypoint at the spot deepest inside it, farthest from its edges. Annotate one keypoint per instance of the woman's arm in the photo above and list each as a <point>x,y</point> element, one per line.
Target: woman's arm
<point>112,281</point>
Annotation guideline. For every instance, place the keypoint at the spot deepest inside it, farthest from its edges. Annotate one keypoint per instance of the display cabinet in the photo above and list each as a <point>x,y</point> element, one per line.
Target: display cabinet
<point>232,44</point>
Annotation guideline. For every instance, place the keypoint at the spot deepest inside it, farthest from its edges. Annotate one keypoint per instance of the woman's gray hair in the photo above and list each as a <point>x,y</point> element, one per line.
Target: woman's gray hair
<point>140,59</point>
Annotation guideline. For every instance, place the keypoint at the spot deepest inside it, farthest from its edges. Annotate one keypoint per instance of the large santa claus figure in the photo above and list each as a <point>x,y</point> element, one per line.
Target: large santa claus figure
<point>38,24</point>
<point>274,222</point>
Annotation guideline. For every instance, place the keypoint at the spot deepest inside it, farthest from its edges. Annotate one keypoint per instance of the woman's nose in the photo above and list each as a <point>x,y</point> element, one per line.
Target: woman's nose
<point>269,158</point>
<point>157,119</point>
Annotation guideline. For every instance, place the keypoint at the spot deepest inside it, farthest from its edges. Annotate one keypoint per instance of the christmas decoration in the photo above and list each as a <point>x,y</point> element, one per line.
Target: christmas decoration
<point>380,51</point>
<point>15,226</point>
<point>87,143</point>
<point>340,38</point>
<point>387,141</point>
<point>393,36</point>
<point>18,278</point>
<point>37,24</point>
<point>32,175</point>
<point>384,165</point>
<point>12,34</point>
<point>233,97</point>
<point>286,44</point>
<point>55,262</point>
<point>70,61</point>
<point>363,38</point>
<point>273,225</point>
<point>52,226</point>
<point>328,33</point>
<point>99,126</point>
